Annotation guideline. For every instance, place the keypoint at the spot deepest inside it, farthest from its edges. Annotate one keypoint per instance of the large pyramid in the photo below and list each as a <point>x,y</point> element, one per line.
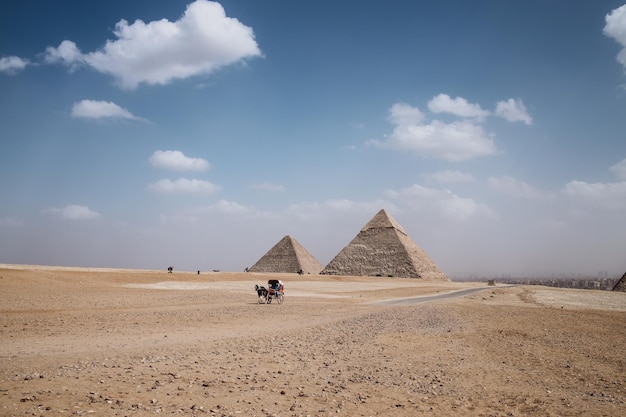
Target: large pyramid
<point>287,256</point>
<point>382,248</point>
<point>621,284</point>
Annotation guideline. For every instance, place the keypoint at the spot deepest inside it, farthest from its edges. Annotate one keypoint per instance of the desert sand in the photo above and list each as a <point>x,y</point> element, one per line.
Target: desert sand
<point>105,342</point>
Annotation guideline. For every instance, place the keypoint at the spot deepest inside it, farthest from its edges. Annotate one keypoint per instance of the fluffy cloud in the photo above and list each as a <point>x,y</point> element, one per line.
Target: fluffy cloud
<point>513,111</point>
<point>609,196</point>
<point>230,207</point>
<point>93,109</point>
<point>439,202</point>
<point>11,65</point>
<point>615,28</point>
<point>66,53</point>
<point>183,186</point>
<point>202,41</point>
<point>454,141</point>
<point>515,188</point>
<point>619,169</point>
<point>177,161</point>
<point>73,212</point>
<point>458,106</point>
<point>405,114</point>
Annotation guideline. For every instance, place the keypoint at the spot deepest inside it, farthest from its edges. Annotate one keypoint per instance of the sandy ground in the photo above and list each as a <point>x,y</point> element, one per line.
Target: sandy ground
<point>105,342</point>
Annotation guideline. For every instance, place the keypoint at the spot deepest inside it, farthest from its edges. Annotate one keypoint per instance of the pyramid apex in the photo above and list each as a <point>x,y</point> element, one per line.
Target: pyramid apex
<point>288,239</point>
<point>383,220</point>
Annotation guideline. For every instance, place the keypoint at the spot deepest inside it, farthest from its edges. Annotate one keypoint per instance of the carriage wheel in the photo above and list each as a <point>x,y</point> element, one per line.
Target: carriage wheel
<point>280,298</point>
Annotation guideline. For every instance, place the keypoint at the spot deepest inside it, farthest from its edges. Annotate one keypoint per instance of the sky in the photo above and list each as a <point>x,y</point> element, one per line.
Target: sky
<point>149,133</point>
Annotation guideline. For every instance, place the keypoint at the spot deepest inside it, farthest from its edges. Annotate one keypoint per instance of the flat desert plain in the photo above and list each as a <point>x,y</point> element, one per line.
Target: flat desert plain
<point>104,342</point>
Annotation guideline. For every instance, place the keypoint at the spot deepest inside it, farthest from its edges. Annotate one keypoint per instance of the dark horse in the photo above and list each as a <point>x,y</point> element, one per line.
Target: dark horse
<point>262,293</point>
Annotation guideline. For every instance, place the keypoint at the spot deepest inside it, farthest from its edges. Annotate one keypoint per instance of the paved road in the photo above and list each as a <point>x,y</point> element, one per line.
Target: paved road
<point>426,298</point>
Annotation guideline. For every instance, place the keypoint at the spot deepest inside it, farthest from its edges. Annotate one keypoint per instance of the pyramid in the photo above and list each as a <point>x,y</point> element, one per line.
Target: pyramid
<point>621,284</point>
<point>287,256</point>
<point>383,248</point>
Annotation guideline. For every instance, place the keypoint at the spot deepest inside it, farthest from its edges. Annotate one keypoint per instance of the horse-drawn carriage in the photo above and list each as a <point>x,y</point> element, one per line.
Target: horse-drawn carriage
<point>275,291</point>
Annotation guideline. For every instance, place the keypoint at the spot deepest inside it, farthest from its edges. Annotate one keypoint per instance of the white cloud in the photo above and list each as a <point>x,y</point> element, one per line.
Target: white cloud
<point>455,141</point>
<point>515,188</point>
<point>202,41</point>
<point>183,186</point>
<point>94,109</point>
<point>11,65</point>
<point>439,202</point>
<point>513,111</point>
<point>616,28</point>
<point>73,212</point>
<point>619,169</point>
<point>610,196</point>
<point>405,114</point>
<point>66,53</point>
<point>458,106</point>
<point>449,177</point>
<point>177,161</point>
<point>268,186</point>
<point>231,207</point>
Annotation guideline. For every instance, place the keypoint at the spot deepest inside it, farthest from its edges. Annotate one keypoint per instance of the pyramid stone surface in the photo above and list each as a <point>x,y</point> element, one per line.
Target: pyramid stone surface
<point>383,248</point>
<point>287,256</point>
<point>621,284</point>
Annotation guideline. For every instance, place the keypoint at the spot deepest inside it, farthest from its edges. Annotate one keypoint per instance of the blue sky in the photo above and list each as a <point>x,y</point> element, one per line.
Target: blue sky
<point>197,134</point>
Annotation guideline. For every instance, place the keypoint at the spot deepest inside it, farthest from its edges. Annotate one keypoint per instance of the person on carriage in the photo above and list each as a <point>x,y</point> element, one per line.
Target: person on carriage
<point>275,285</point>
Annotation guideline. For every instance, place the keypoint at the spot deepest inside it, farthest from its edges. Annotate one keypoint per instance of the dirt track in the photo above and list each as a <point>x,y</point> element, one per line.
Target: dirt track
<point>134,343</point>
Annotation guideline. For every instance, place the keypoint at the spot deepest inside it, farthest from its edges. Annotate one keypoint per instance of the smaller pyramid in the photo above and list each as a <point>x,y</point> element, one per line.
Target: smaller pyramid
<point>287,256</point>
<point>621,284</point>
<point>383,248</point>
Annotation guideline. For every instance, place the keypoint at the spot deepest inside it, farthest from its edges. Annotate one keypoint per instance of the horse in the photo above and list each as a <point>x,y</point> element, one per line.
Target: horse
<point>262,293</point>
